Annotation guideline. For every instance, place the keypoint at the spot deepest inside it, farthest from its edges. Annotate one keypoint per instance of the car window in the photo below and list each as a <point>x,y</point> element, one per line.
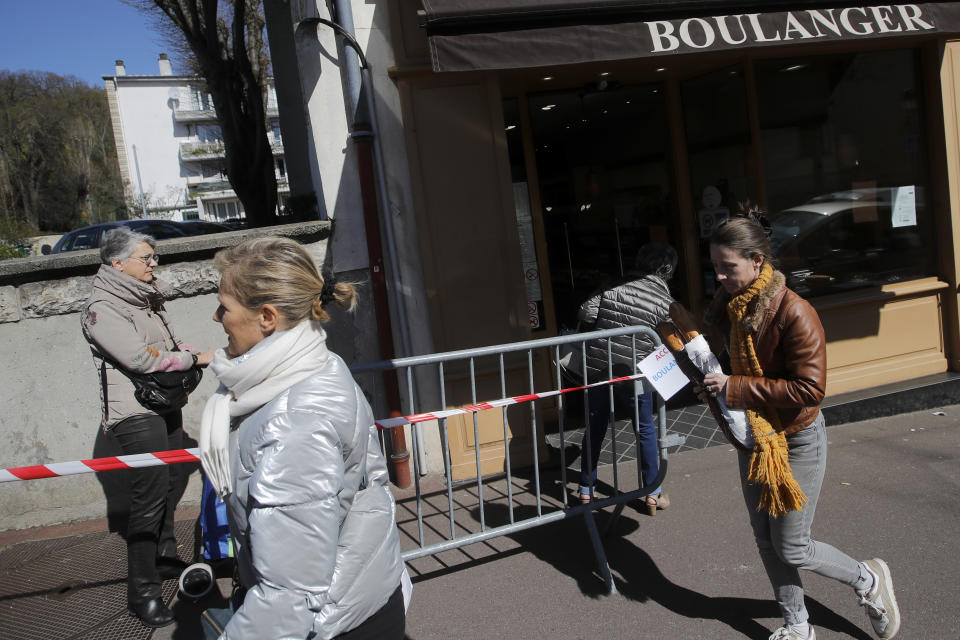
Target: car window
<point>787,225</point>
<point>87,239</point>
<point>159,229</point>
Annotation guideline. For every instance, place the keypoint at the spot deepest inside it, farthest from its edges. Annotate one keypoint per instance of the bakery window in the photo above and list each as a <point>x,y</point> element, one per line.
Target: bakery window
<point>844,157</point>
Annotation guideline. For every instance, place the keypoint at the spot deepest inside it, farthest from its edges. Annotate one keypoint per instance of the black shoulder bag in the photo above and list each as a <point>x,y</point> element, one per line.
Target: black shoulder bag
<point>162,391</point>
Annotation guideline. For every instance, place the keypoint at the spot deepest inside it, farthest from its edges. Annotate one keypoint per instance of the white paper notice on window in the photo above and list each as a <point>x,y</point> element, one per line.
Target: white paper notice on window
<point>904,207</point>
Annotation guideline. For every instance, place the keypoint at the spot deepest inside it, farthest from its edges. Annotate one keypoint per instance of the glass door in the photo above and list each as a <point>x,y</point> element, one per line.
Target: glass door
<point>720,152</point>
<point>601,155</point>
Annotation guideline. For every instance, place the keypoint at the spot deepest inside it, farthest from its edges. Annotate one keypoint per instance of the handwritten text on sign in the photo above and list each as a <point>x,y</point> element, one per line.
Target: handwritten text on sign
<point>661,370</point>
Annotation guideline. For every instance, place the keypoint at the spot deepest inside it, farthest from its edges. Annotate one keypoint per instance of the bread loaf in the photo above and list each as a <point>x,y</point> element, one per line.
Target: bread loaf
<point>684,321</point>
<point>670,336</point>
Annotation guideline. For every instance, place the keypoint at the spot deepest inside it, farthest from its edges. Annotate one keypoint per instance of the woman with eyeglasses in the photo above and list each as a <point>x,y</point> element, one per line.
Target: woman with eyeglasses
<point>777,372</point>
<point>126,326</point>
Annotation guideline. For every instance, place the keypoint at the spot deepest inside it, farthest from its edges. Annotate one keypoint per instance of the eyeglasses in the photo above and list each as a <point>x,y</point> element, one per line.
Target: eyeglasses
<point>147,259</point>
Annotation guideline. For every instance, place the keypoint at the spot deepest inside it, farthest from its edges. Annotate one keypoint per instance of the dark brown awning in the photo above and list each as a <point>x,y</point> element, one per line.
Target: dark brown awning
<point>468,35</point>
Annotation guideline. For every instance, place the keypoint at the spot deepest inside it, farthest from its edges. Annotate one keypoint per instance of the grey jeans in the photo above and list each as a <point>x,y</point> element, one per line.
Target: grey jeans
<point>784,543</point>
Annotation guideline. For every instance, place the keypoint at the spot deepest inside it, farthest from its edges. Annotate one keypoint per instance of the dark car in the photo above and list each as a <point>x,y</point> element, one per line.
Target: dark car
<point>235,223</point>
<point>202,227</point>
<point>89,237</point>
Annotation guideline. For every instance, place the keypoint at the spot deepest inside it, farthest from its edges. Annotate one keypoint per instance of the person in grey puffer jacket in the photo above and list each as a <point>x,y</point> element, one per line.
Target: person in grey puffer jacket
<point>643,300</point>
<point>290,441</point>
<point>124,320</point>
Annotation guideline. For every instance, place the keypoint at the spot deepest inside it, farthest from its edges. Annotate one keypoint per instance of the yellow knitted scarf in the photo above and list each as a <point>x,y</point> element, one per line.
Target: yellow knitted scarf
<point>769,463</point>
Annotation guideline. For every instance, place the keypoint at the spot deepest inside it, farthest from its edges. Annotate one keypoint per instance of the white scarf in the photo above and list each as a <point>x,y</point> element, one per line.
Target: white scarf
<point>250,381</point>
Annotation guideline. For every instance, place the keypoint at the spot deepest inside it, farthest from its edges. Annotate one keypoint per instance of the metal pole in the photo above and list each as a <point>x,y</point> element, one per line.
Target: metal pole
<point>355,71</point>
<point>136,164</point>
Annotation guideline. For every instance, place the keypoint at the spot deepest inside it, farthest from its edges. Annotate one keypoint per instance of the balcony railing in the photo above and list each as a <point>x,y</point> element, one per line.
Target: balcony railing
<point>219,187</point>
<point>196,151</point>
<point>209,115</point>
<point>194,115</point>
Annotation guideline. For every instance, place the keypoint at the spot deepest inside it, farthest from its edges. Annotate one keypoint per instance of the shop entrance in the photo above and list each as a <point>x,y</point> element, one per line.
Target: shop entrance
<point>606,181</point>
<point>603,179</point>
<point>721,157</point>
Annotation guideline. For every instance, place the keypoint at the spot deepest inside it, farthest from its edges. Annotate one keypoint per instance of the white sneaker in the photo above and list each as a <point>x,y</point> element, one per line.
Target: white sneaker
<point>786,633</point>
<point>880,603</point>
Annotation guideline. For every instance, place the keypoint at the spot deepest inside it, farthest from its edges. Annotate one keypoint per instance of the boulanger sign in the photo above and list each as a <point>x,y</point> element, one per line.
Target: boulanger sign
<point>759,28</point>
<point>538,43</point>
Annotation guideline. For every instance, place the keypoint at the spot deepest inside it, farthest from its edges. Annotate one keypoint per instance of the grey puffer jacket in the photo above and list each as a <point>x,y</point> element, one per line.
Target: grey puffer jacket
<point>642,301</point>
<point>124,318</point>
<point>301,463</point>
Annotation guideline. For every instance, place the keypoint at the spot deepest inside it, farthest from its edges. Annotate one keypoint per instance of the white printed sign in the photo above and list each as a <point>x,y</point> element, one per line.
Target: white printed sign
<point>661,370</point>
<point>904,207</point>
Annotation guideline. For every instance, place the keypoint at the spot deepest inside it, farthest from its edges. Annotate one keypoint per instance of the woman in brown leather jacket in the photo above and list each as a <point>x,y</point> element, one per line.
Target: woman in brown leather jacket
<point>777,364</point>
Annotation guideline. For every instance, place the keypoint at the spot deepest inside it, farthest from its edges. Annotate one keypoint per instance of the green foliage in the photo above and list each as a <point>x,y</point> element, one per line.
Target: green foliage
<point>11,252</point>
<point>13,236</point>
<point>58,166</point>
<point>13,232</point>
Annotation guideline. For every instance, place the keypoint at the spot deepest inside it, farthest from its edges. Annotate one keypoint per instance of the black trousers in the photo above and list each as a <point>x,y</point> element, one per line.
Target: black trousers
<point>154,493</point>
<point>386,624</point>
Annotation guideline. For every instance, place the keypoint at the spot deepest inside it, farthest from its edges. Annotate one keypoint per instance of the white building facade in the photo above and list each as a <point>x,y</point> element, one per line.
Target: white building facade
<point>170,146</point>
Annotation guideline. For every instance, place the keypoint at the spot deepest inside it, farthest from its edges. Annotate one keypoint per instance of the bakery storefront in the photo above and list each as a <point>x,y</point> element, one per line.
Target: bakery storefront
<point>549,140</point>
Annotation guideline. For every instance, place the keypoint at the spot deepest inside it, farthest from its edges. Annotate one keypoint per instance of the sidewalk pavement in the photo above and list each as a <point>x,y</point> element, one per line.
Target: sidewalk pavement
<point>891,491</point>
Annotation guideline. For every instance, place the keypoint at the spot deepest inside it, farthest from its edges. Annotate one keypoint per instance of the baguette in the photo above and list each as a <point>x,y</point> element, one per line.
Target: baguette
<point>674,337</point>
<point>684,321</point>
<point>670,336</point>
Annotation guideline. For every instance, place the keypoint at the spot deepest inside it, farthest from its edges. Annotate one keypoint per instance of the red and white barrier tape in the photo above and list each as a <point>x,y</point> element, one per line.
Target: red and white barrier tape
<point>389,423</point>
<point>134,461</point>
<point>177,456</point>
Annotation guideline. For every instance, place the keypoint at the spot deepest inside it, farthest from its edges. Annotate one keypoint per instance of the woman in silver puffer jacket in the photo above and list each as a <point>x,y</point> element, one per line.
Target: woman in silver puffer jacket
<point>290,440</point>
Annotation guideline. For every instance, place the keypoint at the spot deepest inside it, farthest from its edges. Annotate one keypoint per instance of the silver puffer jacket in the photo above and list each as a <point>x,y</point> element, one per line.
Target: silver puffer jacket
<point>642,301</point>
<point>313,519</point>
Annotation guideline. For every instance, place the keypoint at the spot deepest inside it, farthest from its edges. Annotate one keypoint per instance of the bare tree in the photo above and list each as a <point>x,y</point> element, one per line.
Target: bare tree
<point>225,41</point>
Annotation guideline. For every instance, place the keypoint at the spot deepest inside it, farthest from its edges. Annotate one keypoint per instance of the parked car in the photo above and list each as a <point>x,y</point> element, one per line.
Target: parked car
<point>846,240</point>
<point>202,227</point>
<point>235,223</point>
<point>89,237</point>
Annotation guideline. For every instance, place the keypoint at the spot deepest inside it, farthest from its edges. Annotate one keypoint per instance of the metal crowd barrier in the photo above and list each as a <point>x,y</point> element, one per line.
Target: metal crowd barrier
<point>428,377</point>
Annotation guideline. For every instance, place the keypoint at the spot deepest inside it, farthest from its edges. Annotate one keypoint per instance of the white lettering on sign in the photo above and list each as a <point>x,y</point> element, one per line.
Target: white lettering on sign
<point>849,26</point>
<point>700,33</point>
<point>911,14</point>
<point>659,32</point>
<point>885,22</point>
<point>795,28</point>
<point>661,370</point>
<point>758,35</point>
<point>705,28</point>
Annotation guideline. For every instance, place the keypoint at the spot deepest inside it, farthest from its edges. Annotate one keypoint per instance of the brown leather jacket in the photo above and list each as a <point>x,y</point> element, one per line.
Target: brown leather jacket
<point>791,349</point>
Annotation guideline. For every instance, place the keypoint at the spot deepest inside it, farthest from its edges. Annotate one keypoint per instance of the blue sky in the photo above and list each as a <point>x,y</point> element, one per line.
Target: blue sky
<point>77,37</point>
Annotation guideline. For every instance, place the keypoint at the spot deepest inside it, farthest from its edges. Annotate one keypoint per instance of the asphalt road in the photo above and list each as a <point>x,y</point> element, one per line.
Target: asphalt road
<point>892,490</point>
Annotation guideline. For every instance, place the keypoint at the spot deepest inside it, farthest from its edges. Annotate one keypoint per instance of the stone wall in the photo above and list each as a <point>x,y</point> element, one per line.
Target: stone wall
<point>49,395</point>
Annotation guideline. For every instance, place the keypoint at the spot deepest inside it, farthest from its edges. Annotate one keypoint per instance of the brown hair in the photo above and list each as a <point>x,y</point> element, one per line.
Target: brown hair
<point>280,272</point>
<point>745,234</point>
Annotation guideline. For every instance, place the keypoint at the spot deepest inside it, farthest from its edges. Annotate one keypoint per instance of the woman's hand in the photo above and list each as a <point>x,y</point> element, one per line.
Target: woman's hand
<point>714,384</point>
<point>203,359</point>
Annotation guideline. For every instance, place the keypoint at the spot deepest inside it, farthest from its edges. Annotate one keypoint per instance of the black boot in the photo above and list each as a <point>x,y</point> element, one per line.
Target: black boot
<point>169,568</point>
<point>143,582</point>
<point>152,613</point>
